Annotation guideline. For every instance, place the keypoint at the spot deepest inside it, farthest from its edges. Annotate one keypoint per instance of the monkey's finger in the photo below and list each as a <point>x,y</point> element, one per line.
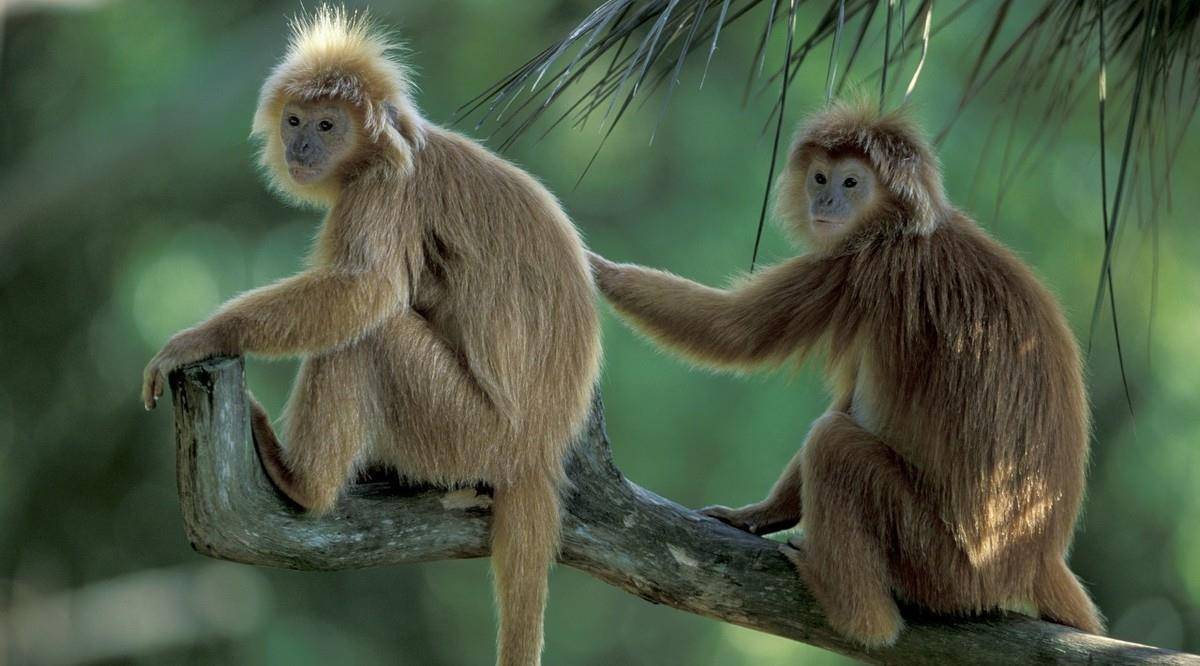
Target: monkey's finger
<point>794,550</point>
<point>715,511</point>
<point>147,377</point>
<point>148,394</point>
<point>598,262</point>
<point>605,273</point>
<point>151,386</point>
<point>725,515</point>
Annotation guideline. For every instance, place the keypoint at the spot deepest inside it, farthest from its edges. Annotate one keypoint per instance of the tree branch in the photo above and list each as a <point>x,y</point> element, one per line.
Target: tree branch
<point>613,529</point>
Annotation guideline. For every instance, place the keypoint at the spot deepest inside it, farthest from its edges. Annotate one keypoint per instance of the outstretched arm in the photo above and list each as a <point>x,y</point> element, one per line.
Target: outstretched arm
<point>773,314</point>
<point>361,277</point>
<point>314,311</point>
<point>310,312</point>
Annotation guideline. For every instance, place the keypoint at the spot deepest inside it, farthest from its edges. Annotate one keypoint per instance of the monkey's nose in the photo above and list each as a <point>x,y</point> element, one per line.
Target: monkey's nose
<point>301,153</point>
<point>300,149</point>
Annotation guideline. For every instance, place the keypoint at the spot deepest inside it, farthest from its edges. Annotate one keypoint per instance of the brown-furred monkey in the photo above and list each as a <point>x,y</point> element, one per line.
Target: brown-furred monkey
<point>447,322</point>
<point>949,470</point>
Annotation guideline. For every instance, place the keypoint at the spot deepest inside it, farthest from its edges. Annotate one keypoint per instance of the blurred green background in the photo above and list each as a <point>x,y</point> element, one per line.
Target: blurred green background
<point>130,207</point>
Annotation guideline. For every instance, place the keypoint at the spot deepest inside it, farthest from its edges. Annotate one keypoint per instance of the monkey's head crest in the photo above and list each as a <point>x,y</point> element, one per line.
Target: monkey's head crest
<point>891,143</point>
<point>336,56</point>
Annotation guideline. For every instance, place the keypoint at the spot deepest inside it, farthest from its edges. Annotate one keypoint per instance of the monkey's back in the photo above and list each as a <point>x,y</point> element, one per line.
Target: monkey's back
<point>980,388</point>
<point>503,277</point>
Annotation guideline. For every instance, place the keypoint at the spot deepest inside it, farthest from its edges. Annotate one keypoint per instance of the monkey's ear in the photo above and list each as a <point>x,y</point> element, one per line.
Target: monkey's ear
<point>406,125</point>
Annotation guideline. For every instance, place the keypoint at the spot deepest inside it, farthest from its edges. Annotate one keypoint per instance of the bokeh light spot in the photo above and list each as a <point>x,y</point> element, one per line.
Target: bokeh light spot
<point>169,294</point>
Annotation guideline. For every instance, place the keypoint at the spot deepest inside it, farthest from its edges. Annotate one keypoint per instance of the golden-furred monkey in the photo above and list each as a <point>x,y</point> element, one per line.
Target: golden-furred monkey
<point>447,322</point>
<point>949,470</point>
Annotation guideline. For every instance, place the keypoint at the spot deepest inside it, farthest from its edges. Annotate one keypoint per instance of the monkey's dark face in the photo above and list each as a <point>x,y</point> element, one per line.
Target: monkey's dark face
<point>317,138</point>
<point>840,191</point>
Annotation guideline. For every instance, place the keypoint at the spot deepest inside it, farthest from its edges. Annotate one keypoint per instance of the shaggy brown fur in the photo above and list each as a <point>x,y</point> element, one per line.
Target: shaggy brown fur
<point>447,322</point>
<point>950,469</point>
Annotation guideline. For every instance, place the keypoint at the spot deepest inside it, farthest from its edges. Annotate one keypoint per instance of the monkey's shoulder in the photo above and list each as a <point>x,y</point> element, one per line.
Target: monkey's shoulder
<point>955,283</point>
<point>473,196</point>
<point>453,160</point>
<point>960,256</point>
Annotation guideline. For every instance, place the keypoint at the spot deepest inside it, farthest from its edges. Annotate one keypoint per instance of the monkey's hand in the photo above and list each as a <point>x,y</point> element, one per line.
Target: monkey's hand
<point>608,274</point>
<point>187,346</point>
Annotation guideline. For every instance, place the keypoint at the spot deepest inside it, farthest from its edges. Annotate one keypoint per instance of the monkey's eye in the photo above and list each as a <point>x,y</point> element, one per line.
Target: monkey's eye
<point>325,126</point>
<point>293,121</point>
<point>849,182</point>
<point>820,178</point>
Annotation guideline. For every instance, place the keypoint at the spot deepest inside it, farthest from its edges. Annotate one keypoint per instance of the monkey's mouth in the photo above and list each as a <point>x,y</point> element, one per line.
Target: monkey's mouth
<point>825,225</point>
<point>303,175</point>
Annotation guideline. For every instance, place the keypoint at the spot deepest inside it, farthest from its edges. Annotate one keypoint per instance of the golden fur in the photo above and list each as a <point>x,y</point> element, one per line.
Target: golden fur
<point>950,468</point>
<point>447,321</point>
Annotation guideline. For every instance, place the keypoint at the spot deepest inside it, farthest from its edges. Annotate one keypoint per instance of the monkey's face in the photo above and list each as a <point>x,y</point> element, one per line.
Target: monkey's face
<point>317,138</point>
<point>840,192</point>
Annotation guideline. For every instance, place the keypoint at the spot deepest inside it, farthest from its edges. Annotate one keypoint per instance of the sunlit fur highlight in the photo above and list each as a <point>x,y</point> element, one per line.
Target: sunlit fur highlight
<point>447,322</point>
<point>949,471</point>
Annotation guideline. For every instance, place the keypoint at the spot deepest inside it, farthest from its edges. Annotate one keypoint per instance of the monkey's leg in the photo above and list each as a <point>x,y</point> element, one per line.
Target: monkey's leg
<point>450,431</point>
<point>853,484</point>
<point>779,511</point>
<point>1060,598</point>
<point>782,508</point>
<point>448,428</point>
<point>270,453</point>
<point>327,426</point>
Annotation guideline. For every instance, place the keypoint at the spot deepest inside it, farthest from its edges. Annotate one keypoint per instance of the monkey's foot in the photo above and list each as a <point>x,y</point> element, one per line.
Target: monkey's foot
<point>759,518</point>
<point>270,453</point>
<point>795,550</point>
<point>871,620</point>
<point>872,625</point>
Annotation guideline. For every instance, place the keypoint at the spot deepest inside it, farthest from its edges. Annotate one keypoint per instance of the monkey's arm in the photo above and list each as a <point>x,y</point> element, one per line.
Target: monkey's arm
<point>310,312</point>
<point>307,313</point>
<point>775,313</point>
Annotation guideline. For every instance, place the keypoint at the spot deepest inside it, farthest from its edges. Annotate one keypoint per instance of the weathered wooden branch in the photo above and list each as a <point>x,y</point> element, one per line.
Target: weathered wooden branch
<point>614,530</point>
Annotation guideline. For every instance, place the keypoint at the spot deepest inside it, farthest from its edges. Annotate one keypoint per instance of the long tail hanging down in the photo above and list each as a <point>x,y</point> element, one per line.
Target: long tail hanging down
<point>525,542</point>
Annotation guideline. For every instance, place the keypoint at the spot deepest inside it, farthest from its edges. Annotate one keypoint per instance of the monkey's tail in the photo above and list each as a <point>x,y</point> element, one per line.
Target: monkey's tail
<point>526,525</point>
<point>1061,598</point>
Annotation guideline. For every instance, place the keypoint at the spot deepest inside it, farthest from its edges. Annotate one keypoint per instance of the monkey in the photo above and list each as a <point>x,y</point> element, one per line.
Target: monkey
<point>446,324</point>
<point>949,470</point>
